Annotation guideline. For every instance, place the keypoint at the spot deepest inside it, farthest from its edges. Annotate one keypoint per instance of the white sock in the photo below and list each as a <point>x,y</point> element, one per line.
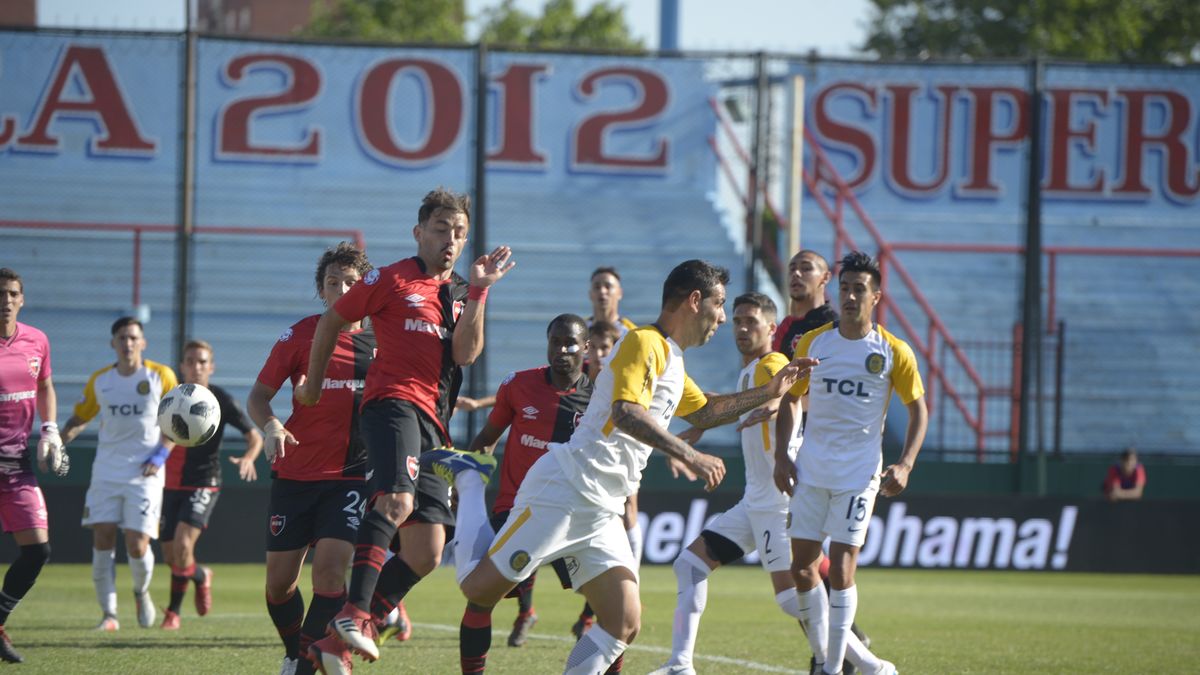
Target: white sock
<point>858,654</point>
<point>842,605</point>
<point>691,584</point>
<point>789,602</point>
<point>472,532</point>
<point>814,616</point>
<point>635,542</point>
<point>594,652</point>
<point>142,569</point>
<point>104,578</point>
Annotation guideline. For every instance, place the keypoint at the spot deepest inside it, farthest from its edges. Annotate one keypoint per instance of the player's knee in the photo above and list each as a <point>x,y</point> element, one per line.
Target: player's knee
<point>805,576</point>
<point>423,562</point>
<point>396,506</point>
<point>631,625</point>
<point>35,556</point>
<point>278,591</point>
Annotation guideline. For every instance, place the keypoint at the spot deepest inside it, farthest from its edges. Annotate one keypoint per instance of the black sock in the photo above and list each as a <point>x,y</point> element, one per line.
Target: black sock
<point>287,617</point>
<point>525,594</point>
<point>474,638</point>
<point>321,611</point>
<point>198,574</point>
<point>587,612</point>
<point>374,536</point>
<point>616,665</point>
<point>20,577</point>
<point>396,579</point>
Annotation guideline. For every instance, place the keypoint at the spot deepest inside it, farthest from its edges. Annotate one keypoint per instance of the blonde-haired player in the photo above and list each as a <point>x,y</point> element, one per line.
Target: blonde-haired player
<point>127,481</point>
<point>836,475</point>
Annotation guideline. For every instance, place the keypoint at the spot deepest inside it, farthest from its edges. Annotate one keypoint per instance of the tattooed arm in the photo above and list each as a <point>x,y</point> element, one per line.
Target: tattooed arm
<point>725,408</point>
<point>637,421</point>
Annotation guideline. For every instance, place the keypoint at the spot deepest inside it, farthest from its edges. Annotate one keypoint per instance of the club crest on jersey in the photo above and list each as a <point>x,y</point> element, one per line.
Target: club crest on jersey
<point>457,308</point>
<point>286,335</point>
<point>415,299</point>
<point>371,277</point>
<point>277,524</point>
<point>143,387</point>
<point>519,560</point>
<point>414,467</point>
<point>578,418</point>
<point>35,365</point>
<point>875,363</point>
<point>795,341</point>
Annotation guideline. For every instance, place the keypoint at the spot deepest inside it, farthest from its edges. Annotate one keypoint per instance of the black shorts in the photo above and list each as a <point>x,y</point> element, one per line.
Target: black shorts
<point>396,433</point>
<point>193,506</point>
<point>301,512</point>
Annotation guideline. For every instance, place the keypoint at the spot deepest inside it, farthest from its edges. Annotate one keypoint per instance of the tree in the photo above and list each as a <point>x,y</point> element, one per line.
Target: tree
<point>602,27</point>
<point>425,21</point>
<point>442,21</point>
<point>1162,31</point>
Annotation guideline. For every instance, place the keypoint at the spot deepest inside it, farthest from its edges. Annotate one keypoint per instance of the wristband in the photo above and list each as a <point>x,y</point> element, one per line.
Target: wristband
<point>477,293</point>
<point>48,427</point>
<point>159,456</point>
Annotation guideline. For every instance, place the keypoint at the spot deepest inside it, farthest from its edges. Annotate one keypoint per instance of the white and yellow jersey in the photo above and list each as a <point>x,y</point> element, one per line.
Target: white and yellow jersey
<point>848,395</point>
<point>603,462</point>
<point>758,441</point>
<point>128,411</point>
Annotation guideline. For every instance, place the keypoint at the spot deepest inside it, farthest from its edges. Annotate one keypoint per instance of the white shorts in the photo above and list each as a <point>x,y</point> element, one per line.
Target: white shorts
<point>753,529</point>
<point>815,513</point>
<point>549,520</point>
<point>135,507</point>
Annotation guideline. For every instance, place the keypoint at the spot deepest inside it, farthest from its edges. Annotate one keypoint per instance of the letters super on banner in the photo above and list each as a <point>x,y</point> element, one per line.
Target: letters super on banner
<point>331,136</point>
<point>947,143</point>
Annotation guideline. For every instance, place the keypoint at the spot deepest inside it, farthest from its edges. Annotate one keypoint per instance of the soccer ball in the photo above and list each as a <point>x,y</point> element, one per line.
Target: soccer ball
<point>189,415</point>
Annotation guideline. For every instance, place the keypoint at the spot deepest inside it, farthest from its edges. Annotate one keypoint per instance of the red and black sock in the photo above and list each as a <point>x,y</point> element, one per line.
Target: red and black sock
<point>475,638</point>
<point>321,610</point>
<point>396,579</point>
<point>616,665</point>
<point>587,612</point>
<point>370,550</point>
<point>179,579</point>
<point>287,615</point>
<point>525,595</point>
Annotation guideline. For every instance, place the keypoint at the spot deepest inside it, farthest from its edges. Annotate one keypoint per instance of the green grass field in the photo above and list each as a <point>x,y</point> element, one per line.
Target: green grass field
<point>926,622</point>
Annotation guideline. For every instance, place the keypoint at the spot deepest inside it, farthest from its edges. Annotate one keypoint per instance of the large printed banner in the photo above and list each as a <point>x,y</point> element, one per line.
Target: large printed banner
<point>1120,144</point>
<point>1000,533</point>
<point>330,136</point>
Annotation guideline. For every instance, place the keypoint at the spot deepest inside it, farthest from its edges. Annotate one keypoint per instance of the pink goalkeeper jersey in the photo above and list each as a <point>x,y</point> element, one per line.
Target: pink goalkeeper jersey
<point>24,361</point>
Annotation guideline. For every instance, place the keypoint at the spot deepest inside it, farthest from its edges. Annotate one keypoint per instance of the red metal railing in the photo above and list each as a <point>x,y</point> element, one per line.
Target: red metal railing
<point>137,230</point>
<point>823,173</point>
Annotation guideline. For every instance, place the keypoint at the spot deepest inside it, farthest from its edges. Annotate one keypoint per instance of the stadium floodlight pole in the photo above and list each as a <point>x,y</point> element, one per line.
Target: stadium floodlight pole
<point>477,373</point>
<point>187,188</point>
<point>1032,292</point>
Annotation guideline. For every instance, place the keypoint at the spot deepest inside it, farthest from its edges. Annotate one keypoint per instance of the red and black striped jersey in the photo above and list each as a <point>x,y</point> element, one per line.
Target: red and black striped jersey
<point>330,446</point>
<point>791,329</point>
<point>200,467</point>
<point>413,316</point>
<point>539,413</point>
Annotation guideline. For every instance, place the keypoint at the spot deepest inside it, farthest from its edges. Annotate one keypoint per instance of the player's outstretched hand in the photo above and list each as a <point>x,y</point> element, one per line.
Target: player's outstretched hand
<point>785,475</point>
<point>709,469</point>
<point>466,404</point>
<point>678,468</point>
<point>305,392</point>
<point>246,470</point>
<point>276,438</point>
<point>758,416</point>
<point>787,375</point>
<point>490,268</point>
<point>894,479</point>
